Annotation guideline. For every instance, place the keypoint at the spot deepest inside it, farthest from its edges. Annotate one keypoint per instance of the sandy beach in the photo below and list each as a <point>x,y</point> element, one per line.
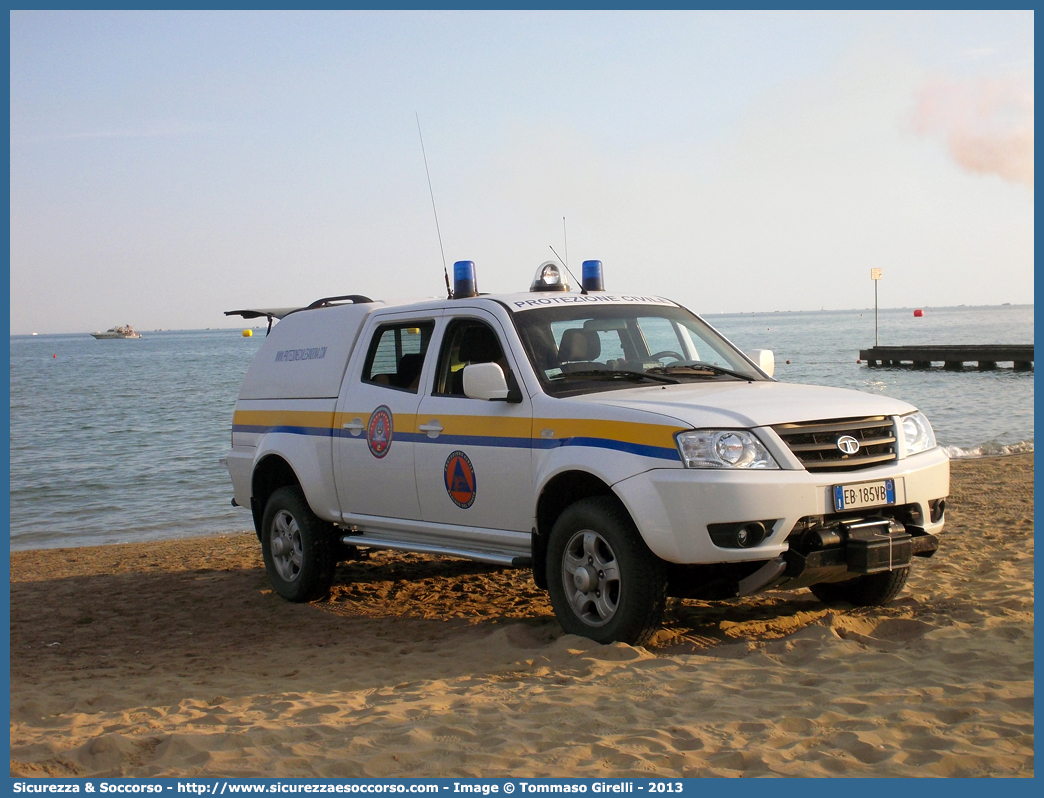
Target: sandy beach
<point>176,659</point>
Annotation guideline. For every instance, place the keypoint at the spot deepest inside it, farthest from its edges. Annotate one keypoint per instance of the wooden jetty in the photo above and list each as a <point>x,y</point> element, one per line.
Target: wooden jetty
<point>986,357</point>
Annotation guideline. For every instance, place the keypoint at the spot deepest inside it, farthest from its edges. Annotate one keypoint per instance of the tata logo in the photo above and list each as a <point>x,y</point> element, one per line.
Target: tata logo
<point>848,444</point>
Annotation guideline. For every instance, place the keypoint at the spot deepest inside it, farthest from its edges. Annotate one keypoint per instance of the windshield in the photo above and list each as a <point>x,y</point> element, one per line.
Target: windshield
<point>580,348</point>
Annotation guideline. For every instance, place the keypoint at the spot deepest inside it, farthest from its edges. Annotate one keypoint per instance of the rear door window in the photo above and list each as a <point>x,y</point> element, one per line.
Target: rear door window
<point>396,355</point>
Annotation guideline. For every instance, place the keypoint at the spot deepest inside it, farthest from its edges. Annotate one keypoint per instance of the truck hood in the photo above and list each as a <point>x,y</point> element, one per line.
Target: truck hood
<point>749,404</point>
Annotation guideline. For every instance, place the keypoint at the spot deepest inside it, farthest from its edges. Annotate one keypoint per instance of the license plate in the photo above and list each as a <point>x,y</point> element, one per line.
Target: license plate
<point>864,494</point>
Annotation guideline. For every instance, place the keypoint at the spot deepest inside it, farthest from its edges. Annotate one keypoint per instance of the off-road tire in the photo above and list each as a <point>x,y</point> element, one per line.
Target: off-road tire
<point>306,572</point>
<point>638,594</point>
<point>871,590</point>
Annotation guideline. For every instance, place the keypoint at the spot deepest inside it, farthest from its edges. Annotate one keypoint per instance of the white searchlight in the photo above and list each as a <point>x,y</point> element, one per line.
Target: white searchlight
<point>549,277</point>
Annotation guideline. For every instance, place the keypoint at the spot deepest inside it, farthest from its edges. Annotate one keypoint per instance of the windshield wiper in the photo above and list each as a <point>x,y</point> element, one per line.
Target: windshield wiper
<point>696,367</point>
<point>633,376</point>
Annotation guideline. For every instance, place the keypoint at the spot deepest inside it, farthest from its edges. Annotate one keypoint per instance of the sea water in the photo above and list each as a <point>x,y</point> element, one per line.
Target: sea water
<point>119,441</point>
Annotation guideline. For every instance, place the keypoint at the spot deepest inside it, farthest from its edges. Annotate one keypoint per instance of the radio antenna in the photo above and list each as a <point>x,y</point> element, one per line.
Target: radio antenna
<point>445,271</point>
<point>582,289</point>
<point>565,239</point>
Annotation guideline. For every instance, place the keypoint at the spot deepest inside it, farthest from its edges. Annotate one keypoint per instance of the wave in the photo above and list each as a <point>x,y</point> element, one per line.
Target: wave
<point>989,449</point>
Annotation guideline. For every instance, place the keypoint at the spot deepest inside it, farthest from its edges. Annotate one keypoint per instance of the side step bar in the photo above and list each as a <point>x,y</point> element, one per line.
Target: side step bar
<point>445,551</point>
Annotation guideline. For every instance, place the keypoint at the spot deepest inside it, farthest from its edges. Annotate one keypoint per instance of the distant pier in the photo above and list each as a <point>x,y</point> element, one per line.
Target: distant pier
<point>953,358</point>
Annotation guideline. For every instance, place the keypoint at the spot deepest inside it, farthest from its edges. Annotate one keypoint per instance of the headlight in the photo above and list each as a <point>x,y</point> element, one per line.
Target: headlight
<point>918,433</point>
<point>723,448</point>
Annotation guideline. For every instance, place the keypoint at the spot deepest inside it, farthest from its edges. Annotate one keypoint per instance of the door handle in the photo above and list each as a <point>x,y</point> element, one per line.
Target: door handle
<point>355,426</point>
<point>433,428</point>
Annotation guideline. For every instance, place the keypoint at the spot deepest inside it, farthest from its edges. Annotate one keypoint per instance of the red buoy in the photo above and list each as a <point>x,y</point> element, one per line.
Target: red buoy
<point>918,313</point>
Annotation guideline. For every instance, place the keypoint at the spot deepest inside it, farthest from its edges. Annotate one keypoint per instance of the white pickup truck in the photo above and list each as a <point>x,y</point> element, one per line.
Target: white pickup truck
<point>615,444</point>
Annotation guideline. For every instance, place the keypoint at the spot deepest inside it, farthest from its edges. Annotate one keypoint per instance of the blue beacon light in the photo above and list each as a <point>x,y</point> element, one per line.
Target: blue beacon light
<point>464,284</point>
<point>591,276</point>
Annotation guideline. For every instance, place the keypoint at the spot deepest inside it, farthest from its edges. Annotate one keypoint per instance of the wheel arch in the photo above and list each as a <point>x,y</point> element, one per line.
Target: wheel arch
<point>562,490</point>
<point>271,473</point>
<point>604,582</point>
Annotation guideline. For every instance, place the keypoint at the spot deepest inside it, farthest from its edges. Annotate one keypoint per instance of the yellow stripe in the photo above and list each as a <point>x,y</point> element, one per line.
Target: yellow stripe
<point>402,422</point>
<point>485,426</point>
<point>624,431</point>
<point>283,418</point>
<point>480,426</point>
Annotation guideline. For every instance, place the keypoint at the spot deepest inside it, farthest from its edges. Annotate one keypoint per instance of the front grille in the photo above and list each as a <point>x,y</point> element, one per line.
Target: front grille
<point>816,442</point>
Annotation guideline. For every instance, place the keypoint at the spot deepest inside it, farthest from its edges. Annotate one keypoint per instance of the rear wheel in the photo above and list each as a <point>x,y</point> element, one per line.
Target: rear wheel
<point>870,590</point>
<point>604,582</point>
<point>298,548</point>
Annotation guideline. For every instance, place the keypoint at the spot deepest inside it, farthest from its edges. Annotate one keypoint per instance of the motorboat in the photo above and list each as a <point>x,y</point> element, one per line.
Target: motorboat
<point>117,332</point>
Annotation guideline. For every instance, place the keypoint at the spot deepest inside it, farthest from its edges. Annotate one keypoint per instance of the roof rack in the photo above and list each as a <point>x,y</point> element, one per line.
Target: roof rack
<point>356,299</point>
<point>279,313</point>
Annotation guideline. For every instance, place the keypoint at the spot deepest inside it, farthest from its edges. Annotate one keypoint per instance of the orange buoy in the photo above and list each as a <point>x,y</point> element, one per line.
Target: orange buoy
<point>918,313</point>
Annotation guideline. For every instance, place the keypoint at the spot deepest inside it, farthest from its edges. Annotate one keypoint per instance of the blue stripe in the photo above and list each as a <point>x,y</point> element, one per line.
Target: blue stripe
<point>640,449</point>
<point>322,432</point>
<point>477,440</point>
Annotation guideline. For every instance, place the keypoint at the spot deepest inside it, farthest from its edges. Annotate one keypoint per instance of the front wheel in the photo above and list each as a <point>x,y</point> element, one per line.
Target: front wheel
<point>297,547</point>
<point>604,582</point>
<point>871,590</point>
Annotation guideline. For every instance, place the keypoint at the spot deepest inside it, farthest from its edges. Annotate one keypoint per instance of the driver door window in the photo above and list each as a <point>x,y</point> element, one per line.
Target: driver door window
<point>466,342</point>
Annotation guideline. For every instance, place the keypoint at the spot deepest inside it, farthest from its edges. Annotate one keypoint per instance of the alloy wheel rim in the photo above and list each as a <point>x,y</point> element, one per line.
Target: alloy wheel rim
<point>286,546</point>
<point>591,578</point>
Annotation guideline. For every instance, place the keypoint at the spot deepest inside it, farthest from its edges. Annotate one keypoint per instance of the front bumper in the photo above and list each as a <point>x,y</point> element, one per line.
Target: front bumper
<point>673,507</point>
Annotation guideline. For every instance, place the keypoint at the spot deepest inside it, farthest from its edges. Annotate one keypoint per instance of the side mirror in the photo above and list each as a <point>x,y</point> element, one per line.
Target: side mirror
<point>764,359</point>
<point>485,381</point>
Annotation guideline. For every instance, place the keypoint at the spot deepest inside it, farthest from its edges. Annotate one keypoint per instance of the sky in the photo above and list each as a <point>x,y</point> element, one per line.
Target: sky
<point>169,166</point>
